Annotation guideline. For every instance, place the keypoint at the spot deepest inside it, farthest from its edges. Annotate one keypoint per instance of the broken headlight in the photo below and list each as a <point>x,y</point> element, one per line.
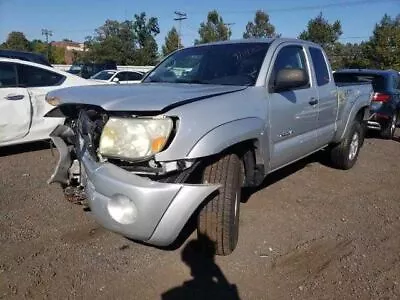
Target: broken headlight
<point>134,138</point>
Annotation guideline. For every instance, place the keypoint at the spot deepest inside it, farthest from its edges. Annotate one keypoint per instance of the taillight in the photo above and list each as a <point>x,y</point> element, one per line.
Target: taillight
<point>380,97</point>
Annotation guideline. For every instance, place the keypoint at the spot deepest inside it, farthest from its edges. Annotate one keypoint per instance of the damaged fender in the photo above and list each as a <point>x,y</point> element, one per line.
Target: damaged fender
<point>64,161</point>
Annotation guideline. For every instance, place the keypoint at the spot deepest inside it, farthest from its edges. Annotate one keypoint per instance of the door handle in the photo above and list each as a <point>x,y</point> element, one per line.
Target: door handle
<point>14,97</point>
<point>313,101</point>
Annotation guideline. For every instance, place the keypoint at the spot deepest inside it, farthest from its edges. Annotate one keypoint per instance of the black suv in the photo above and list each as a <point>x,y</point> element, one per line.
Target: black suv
<point>27,56</point>
<point>385,105</point>
<point>88,69</point>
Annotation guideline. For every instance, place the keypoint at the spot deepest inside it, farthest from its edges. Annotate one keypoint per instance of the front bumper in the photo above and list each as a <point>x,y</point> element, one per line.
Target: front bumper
<point>160,209</point>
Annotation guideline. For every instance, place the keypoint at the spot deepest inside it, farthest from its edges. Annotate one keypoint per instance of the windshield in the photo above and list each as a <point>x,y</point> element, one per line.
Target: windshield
<point>224,64</point>
<point>103,75</point>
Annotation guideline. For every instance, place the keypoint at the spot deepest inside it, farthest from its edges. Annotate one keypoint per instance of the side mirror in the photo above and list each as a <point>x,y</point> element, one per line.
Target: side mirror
<point>288,79</point>
<point>115,79</point>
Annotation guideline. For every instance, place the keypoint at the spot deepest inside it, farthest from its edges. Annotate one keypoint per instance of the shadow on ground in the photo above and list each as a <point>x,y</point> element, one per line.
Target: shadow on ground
<point>22,148</point>
<point>208,281</point>
<point>320,157</point>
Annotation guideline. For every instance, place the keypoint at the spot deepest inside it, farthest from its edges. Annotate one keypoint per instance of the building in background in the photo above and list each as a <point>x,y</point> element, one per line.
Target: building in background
<point>71,49</point>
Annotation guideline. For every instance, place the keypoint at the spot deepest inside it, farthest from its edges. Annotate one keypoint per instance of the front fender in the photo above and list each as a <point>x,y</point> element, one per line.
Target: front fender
<point>226,135</point>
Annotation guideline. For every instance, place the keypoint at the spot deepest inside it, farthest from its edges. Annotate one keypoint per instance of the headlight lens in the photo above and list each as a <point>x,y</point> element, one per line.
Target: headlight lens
<point>134,138</point>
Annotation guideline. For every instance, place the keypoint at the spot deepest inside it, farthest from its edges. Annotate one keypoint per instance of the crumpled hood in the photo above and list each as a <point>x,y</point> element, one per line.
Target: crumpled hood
<point>140,97</point>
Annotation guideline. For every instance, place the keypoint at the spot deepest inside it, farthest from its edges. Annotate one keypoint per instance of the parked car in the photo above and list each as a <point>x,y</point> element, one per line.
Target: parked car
<point>23,88</point>
<point>28,56</point>
<point>115,76</point>
<point>385,106</point>
<point>149,156</point>
<point>88,69</point>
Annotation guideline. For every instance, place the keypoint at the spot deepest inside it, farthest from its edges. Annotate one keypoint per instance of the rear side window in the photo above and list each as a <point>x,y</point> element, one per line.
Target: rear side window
<point>8,75</point>
<point>131,76</point>
<point>320,67</point>
<point>121,76</point>
<point>35,77</point>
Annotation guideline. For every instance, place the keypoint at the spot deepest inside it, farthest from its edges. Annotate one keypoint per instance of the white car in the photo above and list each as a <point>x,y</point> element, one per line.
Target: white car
<point>118,76</point>
<point>23,88</point>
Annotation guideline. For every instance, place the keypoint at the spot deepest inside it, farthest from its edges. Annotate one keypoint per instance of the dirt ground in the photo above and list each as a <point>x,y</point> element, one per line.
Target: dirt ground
<point>311,232</point>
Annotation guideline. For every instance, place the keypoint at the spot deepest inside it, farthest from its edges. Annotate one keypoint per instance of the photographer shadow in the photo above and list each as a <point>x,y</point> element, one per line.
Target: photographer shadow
<point>208,280</point>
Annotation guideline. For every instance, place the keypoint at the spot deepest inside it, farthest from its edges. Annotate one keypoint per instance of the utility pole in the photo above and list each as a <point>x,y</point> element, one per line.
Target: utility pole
<point>47,33</point>
<point>180,16</point>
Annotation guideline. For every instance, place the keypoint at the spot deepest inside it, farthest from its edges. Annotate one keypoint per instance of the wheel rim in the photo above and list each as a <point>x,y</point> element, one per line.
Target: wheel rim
<point>354,146</point>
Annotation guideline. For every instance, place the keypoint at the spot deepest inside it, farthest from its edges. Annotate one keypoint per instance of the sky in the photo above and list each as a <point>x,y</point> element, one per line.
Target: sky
<point>76,19</point>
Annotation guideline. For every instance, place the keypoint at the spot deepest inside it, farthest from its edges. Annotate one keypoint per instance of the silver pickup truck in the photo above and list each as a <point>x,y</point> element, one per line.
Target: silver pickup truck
<point>206,122</point>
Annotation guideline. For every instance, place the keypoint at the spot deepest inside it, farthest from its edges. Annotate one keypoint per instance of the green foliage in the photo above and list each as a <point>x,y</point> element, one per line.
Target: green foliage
<point>260,28</point>
<point>172,42</point>
<point>16,41</point>
<point>113,41</point>
<point>320,31</point>
<point>39,46</point>
<point>57,55</point>
<point>383,48</point>
<point>213,29</point>
<point>350,56</point>
<point>127,42</point>
<point>133,41</point>
<point>144,35</point>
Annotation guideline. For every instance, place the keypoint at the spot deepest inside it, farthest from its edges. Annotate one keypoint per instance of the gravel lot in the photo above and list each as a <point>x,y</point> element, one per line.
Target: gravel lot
<point>311,232</point>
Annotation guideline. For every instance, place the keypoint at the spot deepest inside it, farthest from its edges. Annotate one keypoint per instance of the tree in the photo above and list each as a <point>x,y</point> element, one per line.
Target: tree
<point>214,29</point>
<point>17,41</point>
<point>351,56</point>
<point>39,46</point>
<point>113,41</point>
<point>383,48</point>
<point>260,28</point>
<point>127,42</point>
<point>321,32</point>
<point>57,55</point>
<point>172,42</point>
<point>145,32</point>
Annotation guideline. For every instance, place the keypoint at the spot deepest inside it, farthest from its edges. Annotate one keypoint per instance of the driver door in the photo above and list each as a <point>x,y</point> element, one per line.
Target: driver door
<point>15,105</point>
<point>293,114</point>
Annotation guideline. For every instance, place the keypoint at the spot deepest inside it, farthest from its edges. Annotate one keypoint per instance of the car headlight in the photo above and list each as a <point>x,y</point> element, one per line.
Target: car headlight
<point>134,138</point>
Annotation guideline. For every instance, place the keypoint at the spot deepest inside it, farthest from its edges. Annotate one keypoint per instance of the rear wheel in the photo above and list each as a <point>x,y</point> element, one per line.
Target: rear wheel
<point>389,128</point>
<point>345,154</point>
<point>218,220</point>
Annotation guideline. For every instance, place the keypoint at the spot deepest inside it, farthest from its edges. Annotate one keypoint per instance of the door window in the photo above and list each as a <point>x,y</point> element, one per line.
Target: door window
<point>30,76</point>
<point>289,57</point>
<point>8,75</point>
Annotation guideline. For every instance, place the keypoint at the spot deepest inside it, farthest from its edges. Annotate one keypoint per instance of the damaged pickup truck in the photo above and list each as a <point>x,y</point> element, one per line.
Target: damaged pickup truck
<point>206,122</point>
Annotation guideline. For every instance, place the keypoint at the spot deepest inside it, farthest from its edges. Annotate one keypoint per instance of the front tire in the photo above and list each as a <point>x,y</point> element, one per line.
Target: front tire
<point>218,220</point>
<point>345,154</point>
